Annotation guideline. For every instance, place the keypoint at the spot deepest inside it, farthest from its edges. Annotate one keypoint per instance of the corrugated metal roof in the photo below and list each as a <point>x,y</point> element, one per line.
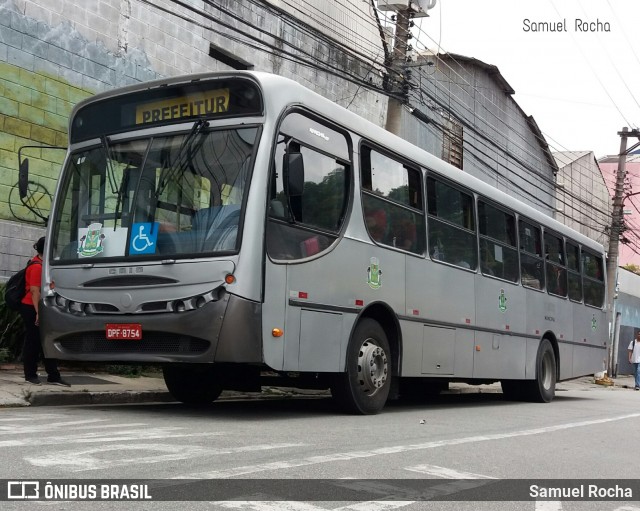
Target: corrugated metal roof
<point>491,70</point>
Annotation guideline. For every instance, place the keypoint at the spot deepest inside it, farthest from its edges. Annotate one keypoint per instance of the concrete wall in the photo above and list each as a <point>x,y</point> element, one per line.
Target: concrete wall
<point>584,203</point>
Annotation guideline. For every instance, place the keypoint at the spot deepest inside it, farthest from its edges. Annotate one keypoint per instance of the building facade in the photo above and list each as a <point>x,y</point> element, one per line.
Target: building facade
<point>628,306</point>
<point>476,125</point>
<point>582,197</point>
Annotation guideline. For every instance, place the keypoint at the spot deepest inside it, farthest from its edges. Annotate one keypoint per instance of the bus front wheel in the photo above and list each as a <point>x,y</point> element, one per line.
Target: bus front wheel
<point>364,387</point>
<point>192,383</point>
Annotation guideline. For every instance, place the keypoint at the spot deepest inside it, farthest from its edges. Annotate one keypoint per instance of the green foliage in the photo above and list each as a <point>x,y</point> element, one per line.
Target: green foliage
<point>11,331</point>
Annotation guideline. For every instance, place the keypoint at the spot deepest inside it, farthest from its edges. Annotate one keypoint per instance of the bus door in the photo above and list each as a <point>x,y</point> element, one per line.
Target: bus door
<point>307,209</point>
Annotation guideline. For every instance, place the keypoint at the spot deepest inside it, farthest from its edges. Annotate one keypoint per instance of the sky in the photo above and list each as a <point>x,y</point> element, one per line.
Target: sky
<point>581,87</point>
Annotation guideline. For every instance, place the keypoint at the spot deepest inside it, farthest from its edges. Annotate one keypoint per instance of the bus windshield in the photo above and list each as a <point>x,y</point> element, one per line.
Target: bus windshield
<point>166,197</point>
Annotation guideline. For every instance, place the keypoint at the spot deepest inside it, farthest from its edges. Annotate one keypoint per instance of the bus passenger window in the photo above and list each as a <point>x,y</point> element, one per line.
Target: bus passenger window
<point>392,201</point>
<point>555,264</point>
<point>451,225</point>
<point>573,272</point>
<point>531,262</point>
<point>498,252</point>
<point>593,279</point>
<point>311,224</point>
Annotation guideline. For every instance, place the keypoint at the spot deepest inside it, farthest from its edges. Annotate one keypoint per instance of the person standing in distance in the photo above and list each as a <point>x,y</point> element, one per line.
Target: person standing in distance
<point>29,311</point>
<point>634,358</point>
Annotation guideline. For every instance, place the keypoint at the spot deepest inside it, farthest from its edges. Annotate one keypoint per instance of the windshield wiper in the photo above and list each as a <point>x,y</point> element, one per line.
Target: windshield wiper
<point>121,191</point>
<point>108,162</point>
<point>190,145</point>
<point>117,190</point>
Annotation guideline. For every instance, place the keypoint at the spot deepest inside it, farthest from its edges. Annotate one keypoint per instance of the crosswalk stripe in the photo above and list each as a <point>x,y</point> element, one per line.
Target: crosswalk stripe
<point>142,434</point>
<point>88,459</point>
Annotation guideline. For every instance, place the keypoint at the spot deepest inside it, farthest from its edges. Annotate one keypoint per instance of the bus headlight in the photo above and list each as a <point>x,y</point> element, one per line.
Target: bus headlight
<point>76,307</point>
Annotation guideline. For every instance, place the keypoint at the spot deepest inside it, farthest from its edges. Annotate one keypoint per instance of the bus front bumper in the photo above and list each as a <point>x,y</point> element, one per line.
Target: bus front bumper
<point>227,330</point>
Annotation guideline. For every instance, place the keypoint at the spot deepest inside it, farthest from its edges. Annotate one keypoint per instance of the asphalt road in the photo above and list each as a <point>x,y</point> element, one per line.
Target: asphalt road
<point>458,443</point>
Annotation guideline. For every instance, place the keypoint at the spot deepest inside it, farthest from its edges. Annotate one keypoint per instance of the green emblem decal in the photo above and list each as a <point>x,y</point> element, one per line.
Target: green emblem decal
<point>91,243</point>
<point>594,322</point>
<point>502,301</point>
<point>374,273</point>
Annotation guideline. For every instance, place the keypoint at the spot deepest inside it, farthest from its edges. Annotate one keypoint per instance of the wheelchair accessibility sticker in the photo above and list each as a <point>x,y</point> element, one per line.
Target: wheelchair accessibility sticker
<point>143,238</point>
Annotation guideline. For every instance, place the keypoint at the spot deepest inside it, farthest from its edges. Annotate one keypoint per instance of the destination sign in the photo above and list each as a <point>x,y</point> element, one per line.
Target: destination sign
<point>211,97</point>
<point>203,103</point>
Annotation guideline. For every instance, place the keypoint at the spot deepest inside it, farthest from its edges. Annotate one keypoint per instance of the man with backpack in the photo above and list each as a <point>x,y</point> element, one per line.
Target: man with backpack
<point>29,311</point>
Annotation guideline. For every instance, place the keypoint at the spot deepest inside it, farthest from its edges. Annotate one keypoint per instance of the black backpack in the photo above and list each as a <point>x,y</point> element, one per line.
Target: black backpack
<point>14,290</point>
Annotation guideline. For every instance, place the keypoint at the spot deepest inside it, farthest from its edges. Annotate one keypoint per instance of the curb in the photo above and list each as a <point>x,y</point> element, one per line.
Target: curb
<point>132,397</point>
<point>99,398</point>
<point>86,397</point>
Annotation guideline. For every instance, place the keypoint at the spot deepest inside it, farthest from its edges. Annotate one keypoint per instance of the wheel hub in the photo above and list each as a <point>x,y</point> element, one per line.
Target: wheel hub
<point>372,367</point>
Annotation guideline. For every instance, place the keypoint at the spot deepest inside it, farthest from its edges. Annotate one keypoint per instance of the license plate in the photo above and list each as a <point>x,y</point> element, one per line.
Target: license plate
<point>124,331</point>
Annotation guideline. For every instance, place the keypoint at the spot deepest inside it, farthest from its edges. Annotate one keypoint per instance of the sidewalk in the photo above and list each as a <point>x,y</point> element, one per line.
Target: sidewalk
<point>103,388</point>
<point>86,388</point>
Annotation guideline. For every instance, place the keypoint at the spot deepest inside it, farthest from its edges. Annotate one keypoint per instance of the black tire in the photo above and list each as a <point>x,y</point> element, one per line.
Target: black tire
<point>364,388</point>
<point>192,383</point>
<point>543,388</point>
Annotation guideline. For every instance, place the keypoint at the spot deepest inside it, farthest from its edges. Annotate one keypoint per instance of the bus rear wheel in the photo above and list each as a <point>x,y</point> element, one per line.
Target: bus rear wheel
<point>543,388</point>
<point>364,387</point>
<point>192,383</point>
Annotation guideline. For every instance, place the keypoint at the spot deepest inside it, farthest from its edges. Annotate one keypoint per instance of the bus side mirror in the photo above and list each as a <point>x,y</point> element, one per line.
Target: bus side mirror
<point>23,178</point>
<point>293,168</point>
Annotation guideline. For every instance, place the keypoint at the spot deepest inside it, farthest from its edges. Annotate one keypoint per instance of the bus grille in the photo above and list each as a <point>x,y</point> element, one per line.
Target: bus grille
<point>152,342</point>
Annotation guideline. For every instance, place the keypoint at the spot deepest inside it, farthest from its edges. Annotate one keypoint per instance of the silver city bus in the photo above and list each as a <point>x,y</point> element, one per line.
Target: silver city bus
<point>237,228</point>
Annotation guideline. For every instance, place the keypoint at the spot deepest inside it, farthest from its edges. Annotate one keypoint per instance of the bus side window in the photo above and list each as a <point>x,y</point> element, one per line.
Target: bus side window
<point>531,262</point>
<point>573,272</point>
<point>555,265</point>
<point>451,225</point>
<point>319,212</point>
<point>593,279</point>
<point>498,252</point>
<point>392,201</point>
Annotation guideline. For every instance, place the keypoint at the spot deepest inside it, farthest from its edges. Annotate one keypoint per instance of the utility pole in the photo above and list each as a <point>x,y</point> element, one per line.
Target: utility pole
<point>400,45</point>
<point>617,225</point>
<point>406,11</point>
